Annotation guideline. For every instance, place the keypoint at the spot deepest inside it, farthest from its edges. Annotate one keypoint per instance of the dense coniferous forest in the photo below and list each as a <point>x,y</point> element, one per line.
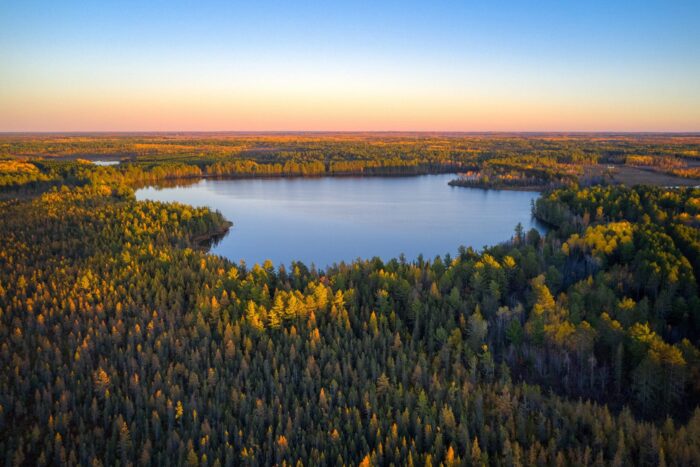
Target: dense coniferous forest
<point>123,342</point>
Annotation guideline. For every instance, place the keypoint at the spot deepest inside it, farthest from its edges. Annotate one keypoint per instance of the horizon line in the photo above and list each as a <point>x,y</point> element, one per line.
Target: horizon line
<point>351,132</point>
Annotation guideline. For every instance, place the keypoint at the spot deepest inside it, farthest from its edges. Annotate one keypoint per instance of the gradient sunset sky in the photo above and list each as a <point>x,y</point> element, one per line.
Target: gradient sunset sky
<point>434,65</point>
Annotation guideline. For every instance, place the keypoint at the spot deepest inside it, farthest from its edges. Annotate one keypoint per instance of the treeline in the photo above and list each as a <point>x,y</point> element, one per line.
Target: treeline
<point>121,343</point>
<point>319,168</point>
<point>45,174</point>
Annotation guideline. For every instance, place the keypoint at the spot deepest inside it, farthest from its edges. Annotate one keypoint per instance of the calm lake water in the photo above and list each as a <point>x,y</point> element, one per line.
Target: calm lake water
<point>328,220</point>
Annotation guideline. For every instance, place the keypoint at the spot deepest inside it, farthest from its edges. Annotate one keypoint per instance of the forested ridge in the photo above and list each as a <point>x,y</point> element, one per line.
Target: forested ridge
<point>122,342</point>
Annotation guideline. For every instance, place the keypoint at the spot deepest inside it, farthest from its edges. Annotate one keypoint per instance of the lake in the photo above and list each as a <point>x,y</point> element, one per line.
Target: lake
<point>332,219</point>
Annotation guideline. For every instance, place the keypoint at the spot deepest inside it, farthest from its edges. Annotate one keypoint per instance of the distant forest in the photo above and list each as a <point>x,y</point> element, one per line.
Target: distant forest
<point>123,342</point>
<point>488,161</point>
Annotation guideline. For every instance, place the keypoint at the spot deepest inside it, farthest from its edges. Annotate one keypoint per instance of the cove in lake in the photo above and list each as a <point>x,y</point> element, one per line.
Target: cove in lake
<point>322,221</point>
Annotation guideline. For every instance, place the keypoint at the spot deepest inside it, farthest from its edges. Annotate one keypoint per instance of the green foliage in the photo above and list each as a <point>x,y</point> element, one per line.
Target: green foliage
<point>122,341</point>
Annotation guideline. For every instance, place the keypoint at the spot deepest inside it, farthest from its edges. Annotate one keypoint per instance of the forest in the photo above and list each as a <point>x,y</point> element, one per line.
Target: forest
<point>520,161</point>
<point>123,342</point>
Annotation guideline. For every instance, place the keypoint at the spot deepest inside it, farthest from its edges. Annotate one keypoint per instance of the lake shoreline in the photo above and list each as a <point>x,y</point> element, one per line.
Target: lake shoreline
<point>325,220</point>
<point>192,179</point>
<point>204,241</point>
<point>528,188</point>
<point>189,181</point>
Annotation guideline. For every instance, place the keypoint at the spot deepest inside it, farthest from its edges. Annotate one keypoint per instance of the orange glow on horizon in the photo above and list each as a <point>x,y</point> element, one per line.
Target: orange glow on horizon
<point>336,103</point>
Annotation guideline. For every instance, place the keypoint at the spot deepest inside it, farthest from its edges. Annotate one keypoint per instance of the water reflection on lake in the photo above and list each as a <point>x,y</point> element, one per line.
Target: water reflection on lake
<point>333,219</point>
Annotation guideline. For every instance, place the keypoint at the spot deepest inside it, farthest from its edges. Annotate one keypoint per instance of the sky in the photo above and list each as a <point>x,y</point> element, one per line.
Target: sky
<point>490,65</point>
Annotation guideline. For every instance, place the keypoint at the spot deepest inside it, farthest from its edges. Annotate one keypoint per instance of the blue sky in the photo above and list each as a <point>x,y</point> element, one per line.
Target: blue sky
<point>499,65</point>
